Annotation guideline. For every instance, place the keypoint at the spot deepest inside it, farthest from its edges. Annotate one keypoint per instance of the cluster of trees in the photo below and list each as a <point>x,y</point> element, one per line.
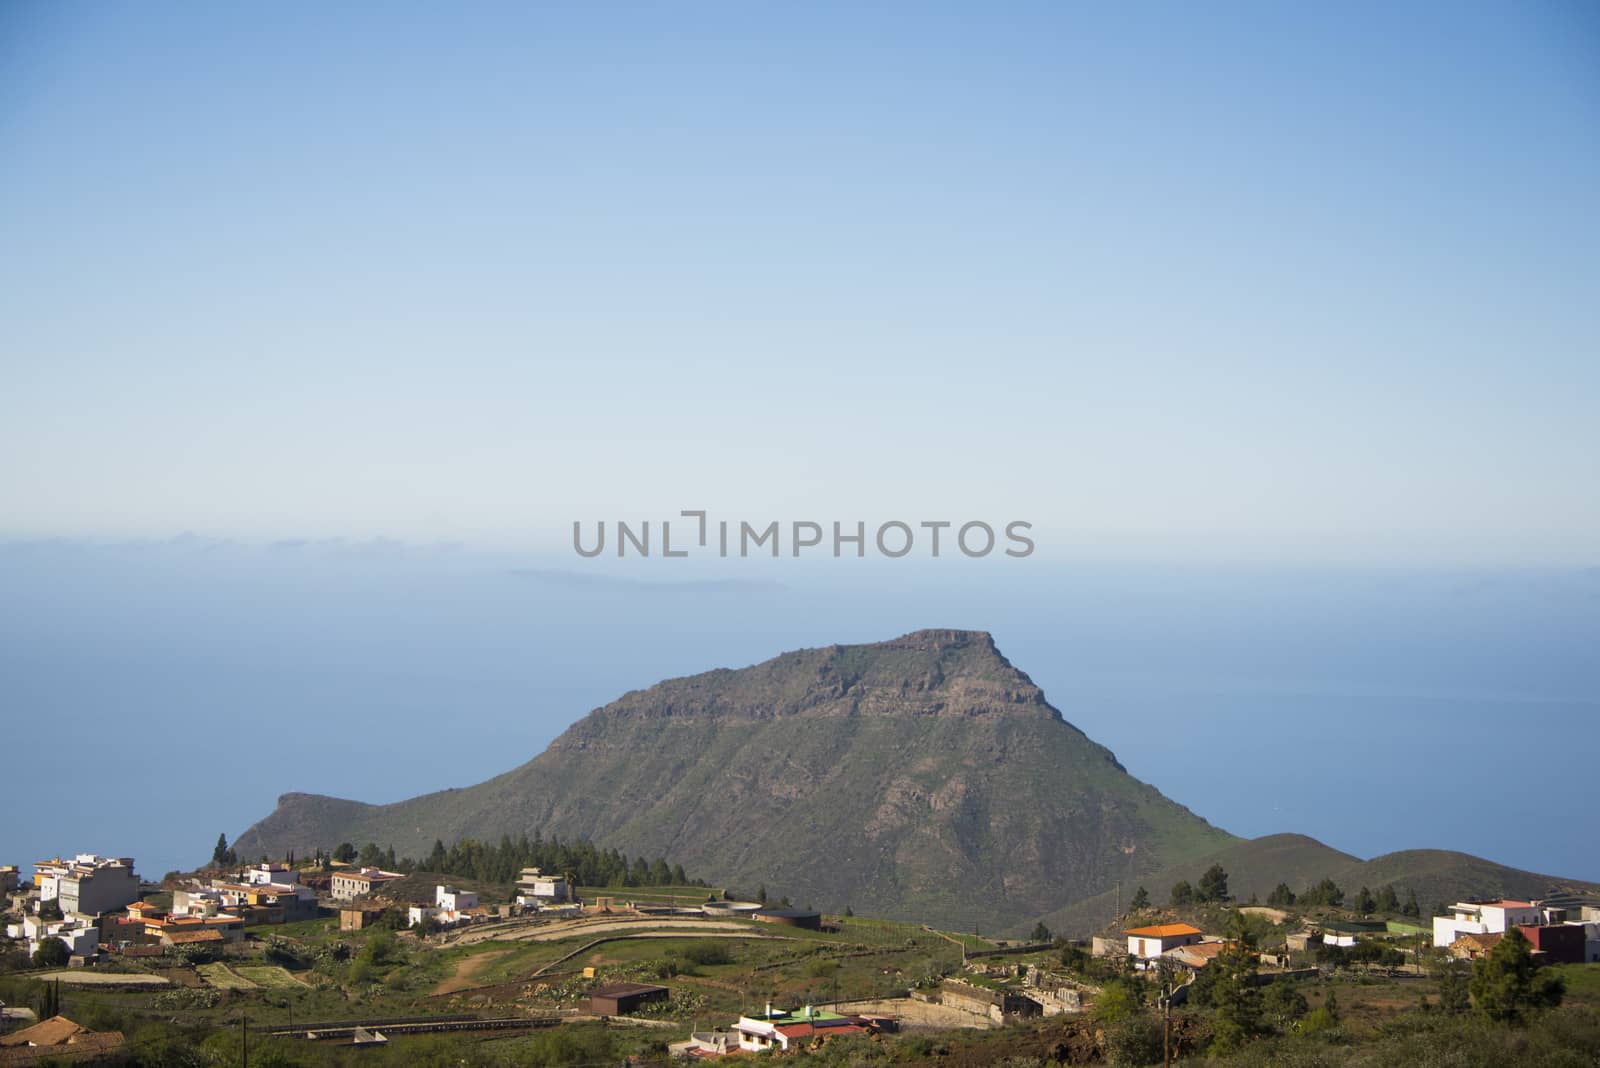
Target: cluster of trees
<point>585,862</point>
<point>1213,886</point>
<point>1366,903</point>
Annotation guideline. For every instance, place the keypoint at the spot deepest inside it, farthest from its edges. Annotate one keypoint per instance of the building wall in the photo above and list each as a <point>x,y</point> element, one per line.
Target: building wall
<point>1562,944</point>
<point>105,889</point>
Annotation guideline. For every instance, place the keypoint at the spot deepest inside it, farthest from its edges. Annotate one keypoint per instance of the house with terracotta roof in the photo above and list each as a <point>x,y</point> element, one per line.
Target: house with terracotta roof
<point>781,1030</point>
<point>57,1040</point>
<point>1198,954</point>
<point>199,936</point>
<point>1148,943</point>
<point>1472,946</point>
<point>1484,917</point>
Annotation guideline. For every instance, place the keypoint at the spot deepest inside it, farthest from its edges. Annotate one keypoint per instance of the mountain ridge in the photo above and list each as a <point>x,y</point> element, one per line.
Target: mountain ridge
<point>932,774</point>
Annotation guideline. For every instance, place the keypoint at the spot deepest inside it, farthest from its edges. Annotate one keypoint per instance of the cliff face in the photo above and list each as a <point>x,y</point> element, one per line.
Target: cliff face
<point>922,777</point>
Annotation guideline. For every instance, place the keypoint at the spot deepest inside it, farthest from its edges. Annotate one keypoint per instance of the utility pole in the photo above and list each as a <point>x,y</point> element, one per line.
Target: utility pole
<point>244,1038</point>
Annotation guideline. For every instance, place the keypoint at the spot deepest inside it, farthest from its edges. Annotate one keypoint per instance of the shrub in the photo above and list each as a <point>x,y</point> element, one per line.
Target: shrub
<point>1135,1040</point>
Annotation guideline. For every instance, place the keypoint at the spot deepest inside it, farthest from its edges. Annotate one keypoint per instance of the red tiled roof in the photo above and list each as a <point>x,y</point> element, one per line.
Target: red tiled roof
<point>52,1032</point>
<point>821,1027</point>
<point>1163,930</point>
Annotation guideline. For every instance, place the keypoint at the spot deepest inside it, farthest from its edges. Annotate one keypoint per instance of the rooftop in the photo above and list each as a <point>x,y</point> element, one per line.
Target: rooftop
<point>623,990</point>
<point>1163,930</point>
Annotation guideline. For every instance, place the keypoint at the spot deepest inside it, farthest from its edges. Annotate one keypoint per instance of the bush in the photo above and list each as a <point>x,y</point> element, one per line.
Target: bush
<point>52,953</point>
<point>1135,1040</point>
<point>707,951</point>
<point>1117,1001</point>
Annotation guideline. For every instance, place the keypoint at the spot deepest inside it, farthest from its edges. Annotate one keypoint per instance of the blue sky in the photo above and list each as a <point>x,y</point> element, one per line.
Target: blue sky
<point>1230,292</point>
<point>1254,282</point>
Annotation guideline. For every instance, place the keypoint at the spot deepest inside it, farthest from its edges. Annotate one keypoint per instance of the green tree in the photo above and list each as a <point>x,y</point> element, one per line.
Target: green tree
<point>219,854</point>
<point>1505,986</point>
<point>52,953</point>
<point>1141,900</point>
<point>1282,1003</point>
<point>1213,884</point>
<point>1281,897</point>
<point>1364,904</point>
<point>371,856</point>
<point>1327,892</point>
<point>1451,979</point>
<point>1388,900</point>
<point>1118,999</point>
<point>1041,933</point>
<point>1182,893</point>
<point>344,853</point>
<point>1235,997</point>
<point>1411,907</point>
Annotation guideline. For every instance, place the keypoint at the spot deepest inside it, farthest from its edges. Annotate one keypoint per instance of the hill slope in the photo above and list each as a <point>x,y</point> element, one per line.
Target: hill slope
<point>1255,866</point>
<point>923,777</point>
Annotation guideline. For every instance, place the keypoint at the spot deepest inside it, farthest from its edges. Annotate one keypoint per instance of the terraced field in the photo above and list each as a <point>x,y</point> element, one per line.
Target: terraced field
<point>222,977</point>
<point>270,976</point>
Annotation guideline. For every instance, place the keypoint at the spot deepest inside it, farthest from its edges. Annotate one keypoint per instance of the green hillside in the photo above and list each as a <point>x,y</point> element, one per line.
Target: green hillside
<point>1255,866</point>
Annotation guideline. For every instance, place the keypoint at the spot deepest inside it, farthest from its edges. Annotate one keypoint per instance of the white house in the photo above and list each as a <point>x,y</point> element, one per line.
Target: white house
<point>535,889</point>
<point>88,883</point>
<point>196,900</point>
<point>449,907</point>
<point>1483,917</point>
<point>1148,943</point>
<point>81,937</point>
<point>269,874</point>
<point>776,1029</point>
<point>349,885</point>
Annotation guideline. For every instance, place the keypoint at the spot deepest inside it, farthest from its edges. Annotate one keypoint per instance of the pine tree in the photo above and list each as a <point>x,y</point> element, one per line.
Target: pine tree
<point>1141,900</point>
<point>1213,884</point>
<point>219,855</point>
<point>1504,985</point>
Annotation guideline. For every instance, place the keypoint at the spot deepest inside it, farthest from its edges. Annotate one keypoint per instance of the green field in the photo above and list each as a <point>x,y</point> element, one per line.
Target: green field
<point>687,896</point>
<point>1583,982</point>
<point>222,977</point>
<point>268,975</point>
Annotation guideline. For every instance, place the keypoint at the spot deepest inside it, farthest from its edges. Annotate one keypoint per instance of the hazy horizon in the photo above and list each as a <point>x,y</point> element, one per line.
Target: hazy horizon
<point>202,680</point>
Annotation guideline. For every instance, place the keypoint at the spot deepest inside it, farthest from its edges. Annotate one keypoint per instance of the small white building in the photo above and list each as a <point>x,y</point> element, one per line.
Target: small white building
<point>270,874</point>
<point>1148,943</point>
<point>196,900</point>
<point>449,907</point>
<point>1484,917</point>
<point>81,935</point>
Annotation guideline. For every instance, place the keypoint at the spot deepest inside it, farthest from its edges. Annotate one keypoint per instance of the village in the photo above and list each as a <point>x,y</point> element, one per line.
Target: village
<point>366,957</point>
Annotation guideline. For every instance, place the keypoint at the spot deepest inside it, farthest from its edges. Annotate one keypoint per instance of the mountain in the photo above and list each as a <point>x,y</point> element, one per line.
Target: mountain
<point>924,777</point>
